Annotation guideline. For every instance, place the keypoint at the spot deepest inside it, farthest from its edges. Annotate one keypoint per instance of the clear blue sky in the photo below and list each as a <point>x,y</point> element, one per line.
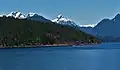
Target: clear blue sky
<point>81,11</point>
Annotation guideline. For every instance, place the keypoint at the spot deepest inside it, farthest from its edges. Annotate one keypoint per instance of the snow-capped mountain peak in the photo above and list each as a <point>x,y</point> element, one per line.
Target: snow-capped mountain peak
<point>62,20</point>
<point>16,14</point>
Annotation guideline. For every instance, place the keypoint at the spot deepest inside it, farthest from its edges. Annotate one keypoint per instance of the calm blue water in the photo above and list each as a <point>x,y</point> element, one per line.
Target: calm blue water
<point>105,58</point>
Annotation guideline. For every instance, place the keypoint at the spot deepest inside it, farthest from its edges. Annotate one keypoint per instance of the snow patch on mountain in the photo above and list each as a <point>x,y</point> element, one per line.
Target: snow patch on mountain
<point>16,14</point>
<point>88,25</point>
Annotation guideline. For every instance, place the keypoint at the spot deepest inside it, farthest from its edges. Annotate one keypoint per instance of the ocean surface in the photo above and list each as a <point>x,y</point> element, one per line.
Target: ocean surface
<point>90,57</point>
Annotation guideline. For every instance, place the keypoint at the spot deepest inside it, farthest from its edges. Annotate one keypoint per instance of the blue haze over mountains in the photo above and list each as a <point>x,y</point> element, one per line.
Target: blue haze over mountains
<point>107,29</point>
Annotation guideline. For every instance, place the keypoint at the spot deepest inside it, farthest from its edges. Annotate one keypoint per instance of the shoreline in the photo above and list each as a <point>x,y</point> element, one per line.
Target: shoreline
<point>45,46</point>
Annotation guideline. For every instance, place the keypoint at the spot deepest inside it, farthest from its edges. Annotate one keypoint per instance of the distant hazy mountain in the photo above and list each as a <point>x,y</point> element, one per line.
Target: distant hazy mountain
<point>88,30</point>
<point>108,27</point>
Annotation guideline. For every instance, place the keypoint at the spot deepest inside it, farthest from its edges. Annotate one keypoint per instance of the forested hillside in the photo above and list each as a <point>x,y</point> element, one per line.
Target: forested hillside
<point>23,31</point>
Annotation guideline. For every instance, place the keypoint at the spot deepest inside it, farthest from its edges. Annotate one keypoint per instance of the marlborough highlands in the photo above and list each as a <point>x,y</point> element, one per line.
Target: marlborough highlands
<point>19,30</point>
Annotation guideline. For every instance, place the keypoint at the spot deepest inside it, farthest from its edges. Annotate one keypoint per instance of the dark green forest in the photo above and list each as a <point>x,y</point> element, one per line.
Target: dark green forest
<point>24,31</point>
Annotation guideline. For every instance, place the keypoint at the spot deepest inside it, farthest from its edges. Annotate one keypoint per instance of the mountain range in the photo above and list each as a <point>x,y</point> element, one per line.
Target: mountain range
<point>106,28</point>
<point>60,19</point>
